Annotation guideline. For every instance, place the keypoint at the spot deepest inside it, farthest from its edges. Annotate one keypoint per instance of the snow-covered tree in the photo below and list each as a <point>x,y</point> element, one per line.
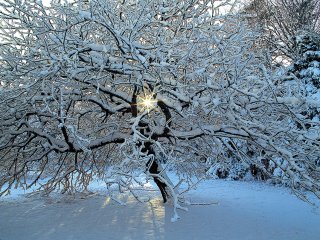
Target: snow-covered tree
<point>120,89</point>
<point>306,70</point>
<point>280,20</point>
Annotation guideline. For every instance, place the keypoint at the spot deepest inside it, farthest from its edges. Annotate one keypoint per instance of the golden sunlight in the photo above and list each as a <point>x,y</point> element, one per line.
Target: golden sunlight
<point>147,103</point>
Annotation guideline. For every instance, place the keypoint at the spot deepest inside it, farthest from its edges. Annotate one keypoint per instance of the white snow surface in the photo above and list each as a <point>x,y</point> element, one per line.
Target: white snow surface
<point>239,210</point>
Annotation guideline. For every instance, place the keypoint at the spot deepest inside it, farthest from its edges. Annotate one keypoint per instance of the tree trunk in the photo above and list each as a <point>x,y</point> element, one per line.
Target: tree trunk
<point>154,168</point>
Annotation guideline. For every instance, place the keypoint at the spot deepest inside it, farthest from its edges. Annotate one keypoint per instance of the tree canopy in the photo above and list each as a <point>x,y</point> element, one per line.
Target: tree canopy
<point>119,89</point>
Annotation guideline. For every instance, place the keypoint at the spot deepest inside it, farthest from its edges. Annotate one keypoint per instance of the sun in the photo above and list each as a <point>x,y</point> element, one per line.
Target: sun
<point>147,103</point>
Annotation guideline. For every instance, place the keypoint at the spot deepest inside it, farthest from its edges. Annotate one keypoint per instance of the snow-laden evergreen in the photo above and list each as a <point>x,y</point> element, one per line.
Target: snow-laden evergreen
<point>307,68</point>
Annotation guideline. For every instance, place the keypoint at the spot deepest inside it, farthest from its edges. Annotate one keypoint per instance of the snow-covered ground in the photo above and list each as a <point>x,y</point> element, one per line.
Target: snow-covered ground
<point>244,210</point>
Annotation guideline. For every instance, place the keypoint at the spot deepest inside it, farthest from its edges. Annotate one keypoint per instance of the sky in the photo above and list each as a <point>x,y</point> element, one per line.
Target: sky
<point>47,3</point>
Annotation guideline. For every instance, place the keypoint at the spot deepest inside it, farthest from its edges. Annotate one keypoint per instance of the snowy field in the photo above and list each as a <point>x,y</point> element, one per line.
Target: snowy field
<point>241,210</point>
